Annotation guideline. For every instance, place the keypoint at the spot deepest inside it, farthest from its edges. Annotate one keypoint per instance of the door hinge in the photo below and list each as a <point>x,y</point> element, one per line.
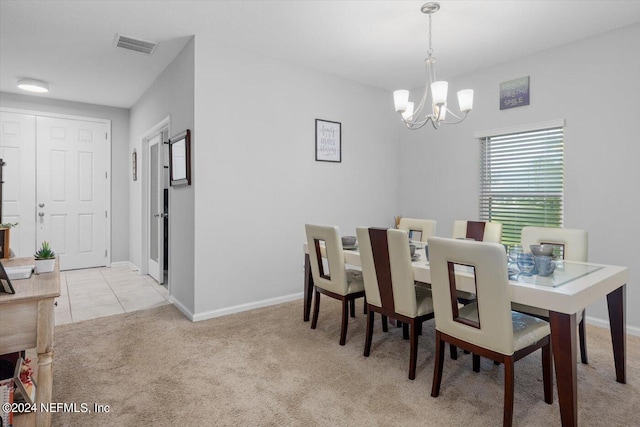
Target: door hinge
<point>106,135</point>
<point>105,175</point>
<point>105,252</point>
<point>105,214</point>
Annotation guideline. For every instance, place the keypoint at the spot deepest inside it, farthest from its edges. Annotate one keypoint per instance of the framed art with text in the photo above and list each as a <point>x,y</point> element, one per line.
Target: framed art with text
<point>328,141</point>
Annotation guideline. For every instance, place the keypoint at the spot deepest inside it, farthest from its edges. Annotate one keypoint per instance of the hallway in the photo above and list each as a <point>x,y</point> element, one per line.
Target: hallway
<point>98,292</point>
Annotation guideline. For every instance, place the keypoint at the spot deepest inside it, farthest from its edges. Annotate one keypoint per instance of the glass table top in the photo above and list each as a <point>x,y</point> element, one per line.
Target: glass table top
<point>564,273</point>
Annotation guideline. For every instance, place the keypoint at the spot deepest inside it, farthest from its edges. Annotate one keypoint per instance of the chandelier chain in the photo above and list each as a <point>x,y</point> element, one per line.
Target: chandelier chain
<point>430,51</point>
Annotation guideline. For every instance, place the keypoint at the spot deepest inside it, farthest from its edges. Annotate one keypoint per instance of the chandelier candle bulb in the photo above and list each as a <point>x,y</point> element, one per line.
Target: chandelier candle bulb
<point>400,100</point>
<point>439,92</point>
<point>408,112</point>
<point>465,100</point>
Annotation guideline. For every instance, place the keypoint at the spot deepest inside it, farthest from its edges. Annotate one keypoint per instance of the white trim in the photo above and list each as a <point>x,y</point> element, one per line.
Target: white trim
<point>245,307</point>
<point>56,115</point>
<point>181,307</point>
<point>631,330</point>
<point>125,264</point>
<point>520,128</point>
<point>108,142</point>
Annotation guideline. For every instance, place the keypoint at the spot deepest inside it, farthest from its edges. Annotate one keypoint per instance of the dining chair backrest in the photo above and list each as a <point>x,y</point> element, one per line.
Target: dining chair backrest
<point>491,327</point>
<point>404,288</point>
<point>369,273</point>
<point>386,268</point>
<point>333,278</point>
<point>575,242</point>
<point>424,227</point>
<point>481,231</point>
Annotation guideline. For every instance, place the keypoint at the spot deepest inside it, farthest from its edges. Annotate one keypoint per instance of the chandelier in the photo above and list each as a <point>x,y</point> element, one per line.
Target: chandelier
<point>418,117</point>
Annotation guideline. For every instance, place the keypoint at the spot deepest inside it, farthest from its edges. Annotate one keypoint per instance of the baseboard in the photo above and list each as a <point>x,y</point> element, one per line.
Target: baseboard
<point>124,264</point>
<point>182,308</point>
<point>631,330</point>
<point>245,307</point>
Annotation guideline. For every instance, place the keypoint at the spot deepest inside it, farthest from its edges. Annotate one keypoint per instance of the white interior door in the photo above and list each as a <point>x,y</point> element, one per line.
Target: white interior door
<point>17,150</point>
<point>156,208</point>
<point>71,187</point>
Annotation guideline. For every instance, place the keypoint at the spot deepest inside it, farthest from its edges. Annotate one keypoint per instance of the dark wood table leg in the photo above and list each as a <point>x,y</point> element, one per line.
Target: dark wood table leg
<point>616,301</point>
<point>564,346</point>
<point>308,288</point>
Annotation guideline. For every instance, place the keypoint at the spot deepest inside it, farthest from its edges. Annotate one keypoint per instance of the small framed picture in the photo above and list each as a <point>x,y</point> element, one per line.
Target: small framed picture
<point>328,141</point>
<point>134,164</point>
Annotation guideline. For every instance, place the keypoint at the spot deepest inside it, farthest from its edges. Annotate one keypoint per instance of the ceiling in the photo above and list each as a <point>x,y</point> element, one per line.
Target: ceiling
<point>379,43</point>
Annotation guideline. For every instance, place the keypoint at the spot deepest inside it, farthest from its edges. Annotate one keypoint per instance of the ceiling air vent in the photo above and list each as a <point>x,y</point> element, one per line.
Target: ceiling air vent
<point>137,45</point>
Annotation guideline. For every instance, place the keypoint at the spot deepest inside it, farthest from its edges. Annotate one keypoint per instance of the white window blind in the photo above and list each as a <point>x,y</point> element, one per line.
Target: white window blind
<point>522,180</point>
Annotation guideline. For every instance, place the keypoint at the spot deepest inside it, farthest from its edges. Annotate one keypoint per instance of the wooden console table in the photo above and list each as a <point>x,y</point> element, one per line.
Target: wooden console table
<point>28,321</point>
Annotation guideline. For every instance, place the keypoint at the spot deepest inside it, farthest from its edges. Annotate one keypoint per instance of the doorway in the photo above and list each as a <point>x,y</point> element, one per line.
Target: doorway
<point>57,185</point>
<point>156,199</point>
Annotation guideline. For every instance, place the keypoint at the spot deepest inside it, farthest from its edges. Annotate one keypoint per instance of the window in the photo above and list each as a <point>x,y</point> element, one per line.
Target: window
<point>522,178</point>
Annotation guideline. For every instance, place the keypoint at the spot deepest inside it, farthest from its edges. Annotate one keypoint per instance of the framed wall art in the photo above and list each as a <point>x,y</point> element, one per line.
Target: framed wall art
<point>328,141</point>
<point>180,158</point>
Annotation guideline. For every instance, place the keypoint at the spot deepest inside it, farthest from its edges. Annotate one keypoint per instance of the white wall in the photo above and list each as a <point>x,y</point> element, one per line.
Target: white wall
<point>171,94</point>
<point>257,181</point>
<point>120,170</point>
<point>594,84</point>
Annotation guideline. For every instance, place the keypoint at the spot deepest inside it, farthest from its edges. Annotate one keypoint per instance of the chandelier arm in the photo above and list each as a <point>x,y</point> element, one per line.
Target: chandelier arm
<point>416,122</point>
<point>461,119</point>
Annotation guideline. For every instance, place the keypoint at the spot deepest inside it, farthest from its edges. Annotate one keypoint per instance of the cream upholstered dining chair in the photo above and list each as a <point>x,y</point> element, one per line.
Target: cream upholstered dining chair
<point>482,231</point>
<point>336,280</point>
<point>418,229</point>
<point>487,327</point>
<point>389,285</point>
<point>574,244</point>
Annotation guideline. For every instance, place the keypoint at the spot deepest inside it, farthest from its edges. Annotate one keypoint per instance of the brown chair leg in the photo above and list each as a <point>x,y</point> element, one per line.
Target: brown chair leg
<point>364,310</point>
<point>345,322</point>
<point>413,355</point>
<point>583,339</point>
<point>405,331</point>
<point>507,421</point>
<point>369,336</point>
<point>453,351</point>
<point>316,309</point>
<point>438,364</point>
<point>547,373</point>
<point>476,363</point>
<point>419,326</point>
<point>352,306</point>
<point>385,324</point>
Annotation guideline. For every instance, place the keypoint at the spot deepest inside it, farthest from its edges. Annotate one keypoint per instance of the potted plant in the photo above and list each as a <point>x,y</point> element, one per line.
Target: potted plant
<point>5,229</point>
<point>45,259</point>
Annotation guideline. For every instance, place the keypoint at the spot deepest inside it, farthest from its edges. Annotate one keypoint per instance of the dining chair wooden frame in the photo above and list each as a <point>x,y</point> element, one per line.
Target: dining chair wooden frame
<point>575,247</point>
<point>336,282</point>
<point>487,328</point>
<point>388,277</point>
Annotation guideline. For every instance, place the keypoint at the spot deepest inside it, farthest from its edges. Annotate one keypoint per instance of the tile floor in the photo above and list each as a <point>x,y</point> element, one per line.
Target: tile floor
<point>97,292</point>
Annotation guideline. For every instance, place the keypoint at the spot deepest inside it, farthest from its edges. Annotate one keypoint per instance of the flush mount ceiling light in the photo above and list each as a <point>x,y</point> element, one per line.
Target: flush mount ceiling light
<point>421,116</point>
<point>33,85</point>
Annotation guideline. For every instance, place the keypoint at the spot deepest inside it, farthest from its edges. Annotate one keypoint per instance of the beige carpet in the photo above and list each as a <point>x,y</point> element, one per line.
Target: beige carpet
<point>268,368</point>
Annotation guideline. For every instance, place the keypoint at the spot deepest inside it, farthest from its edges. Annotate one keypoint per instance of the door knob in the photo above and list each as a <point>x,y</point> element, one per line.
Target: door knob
<point>40,213</point>
<point>41,205</point>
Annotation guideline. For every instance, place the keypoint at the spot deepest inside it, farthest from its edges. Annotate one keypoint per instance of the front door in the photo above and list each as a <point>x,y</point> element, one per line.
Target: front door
<point>71,186</point>
<point>18,151</point>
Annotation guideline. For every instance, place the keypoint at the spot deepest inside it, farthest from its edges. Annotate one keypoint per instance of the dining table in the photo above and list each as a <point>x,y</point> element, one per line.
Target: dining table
<point>565,293</point>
